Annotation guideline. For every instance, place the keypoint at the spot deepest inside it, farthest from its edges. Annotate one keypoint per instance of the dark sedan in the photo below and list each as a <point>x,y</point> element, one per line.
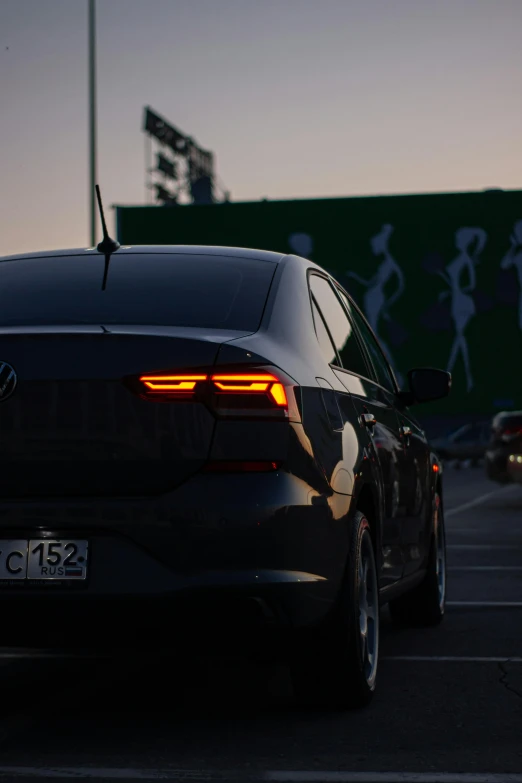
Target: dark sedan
<point>213,431</point>
<point>505,443</point>
<point>469,442</point>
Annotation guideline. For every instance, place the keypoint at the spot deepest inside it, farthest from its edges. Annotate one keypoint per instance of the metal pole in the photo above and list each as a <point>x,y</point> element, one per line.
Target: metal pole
<point>92,121</point>
<point>148,169</point>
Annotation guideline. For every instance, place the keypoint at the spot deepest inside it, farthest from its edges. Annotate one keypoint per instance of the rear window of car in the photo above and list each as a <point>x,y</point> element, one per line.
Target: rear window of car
<point>156,289</point>
<point>510,421</point>
<point>469,432</point>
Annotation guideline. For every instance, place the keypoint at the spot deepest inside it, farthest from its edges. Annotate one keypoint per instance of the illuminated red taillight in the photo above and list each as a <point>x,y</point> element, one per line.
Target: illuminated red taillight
<point>172,383</point>
<point>255,383</point>
<point>255,394</point>
<point>231,394</point>
<point>161,385</point>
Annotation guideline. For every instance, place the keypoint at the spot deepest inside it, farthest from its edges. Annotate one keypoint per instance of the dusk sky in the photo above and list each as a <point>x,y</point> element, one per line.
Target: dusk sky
<point>297,98</point>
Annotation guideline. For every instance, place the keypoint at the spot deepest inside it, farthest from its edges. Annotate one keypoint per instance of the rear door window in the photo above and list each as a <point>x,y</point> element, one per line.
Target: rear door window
<point>381,367</point>
<point>469,433</point>
<point>325,343</point>
<point>344,338</point>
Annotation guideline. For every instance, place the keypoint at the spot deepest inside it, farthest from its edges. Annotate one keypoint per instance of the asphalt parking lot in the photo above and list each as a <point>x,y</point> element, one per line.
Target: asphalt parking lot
<point>449,704</point>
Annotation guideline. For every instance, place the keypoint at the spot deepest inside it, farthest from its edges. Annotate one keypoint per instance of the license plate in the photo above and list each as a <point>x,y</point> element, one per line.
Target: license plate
<point>43,559</point>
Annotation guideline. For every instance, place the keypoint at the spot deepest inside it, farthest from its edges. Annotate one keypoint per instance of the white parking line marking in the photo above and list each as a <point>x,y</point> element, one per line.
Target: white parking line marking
<point>268,776</point>
<point>452,658</point>
<point>484,568</point>
<point>497,604</point>
<point>487,531</point>
<point>477,501</point>
<point>390,777</point>
<point>478,546</point>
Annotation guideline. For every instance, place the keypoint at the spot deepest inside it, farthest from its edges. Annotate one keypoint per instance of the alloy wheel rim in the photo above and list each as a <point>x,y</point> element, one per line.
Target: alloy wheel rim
<point>368,611</point>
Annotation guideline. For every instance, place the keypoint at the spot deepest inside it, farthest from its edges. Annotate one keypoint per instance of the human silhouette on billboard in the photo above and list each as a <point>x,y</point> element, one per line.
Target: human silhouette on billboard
<point>470,243</point>
<point>513,258</point>
<point>376,304</point>
<point>302,244</point>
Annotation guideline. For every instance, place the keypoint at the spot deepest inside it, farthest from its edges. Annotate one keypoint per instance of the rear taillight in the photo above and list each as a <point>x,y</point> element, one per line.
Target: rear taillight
<point>245,394</point>
<point>231,393</point>
<point>170,386</point>
<point>261,383</point>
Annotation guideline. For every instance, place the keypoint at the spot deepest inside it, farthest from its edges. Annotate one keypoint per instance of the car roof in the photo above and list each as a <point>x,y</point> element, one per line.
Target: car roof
<point>210,250</point>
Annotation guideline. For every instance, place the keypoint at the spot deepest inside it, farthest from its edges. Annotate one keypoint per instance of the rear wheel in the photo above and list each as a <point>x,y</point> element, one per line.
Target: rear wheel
<point>425,604</point>
<point>337,666</point>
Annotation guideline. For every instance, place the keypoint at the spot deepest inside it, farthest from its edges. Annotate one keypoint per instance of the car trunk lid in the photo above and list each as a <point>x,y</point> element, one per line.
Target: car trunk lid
<point>72,427</point>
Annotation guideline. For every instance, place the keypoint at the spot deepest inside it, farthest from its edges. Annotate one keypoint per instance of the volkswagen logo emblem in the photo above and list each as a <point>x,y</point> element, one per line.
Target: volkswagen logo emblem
<point>7,380</point>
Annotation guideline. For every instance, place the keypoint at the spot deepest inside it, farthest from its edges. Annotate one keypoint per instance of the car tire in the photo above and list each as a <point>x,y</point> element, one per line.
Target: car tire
<point>336,666</point>
<point>425,604</point>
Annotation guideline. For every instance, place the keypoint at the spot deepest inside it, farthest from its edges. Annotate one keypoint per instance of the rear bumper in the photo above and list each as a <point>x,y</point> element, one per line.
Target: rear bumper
<point>265,542</point>
<point>210,617</point>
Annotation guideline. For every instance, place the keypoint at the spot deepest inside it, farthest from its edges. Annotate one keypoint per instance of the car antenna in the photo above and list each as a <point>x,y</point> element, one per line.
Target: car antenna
<point>107,246</point>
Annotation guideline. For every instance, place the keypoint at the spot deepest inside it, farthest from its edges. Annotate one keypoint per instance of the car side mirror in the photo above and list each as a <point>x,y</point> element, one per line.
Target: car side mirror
<point>426,385</point>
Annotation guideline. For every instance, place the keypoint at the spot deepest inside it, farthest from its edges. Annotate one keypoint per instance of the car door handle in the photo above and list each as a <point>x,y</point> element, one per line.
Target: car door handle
<point>369,420</point>
<point>406,432</point>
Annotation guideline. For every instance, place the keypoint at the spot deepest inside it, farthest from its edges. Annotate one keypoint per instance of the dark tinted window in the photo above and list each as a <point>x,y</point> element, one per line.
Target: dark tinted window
<point>156,289</point>
<point>470,432</point>
<point>508,423</point>
<point>324,338</point>
<point>512,421</point>
<point>339,326</point>
<point>382,369</point>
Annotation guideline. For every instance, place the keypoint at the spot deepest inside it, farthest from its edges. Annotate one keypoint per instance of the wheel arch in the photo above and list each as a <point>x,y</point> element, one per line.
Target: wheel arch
<point>367,501</point>
<point>439,490</point>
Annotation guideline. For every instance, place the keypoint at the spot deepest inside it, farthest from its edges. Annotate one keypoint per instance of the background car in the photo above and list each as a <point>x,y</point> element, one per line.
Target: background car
<point>514,467</point>
<point>506,440</point>
<point>213,435</point>
<point>468,442</point>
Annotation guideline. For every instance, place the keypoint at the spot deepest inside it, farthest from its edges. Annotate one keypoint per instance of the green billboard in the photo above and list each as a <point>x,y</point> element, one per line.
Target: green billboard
<point>439,276</point>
